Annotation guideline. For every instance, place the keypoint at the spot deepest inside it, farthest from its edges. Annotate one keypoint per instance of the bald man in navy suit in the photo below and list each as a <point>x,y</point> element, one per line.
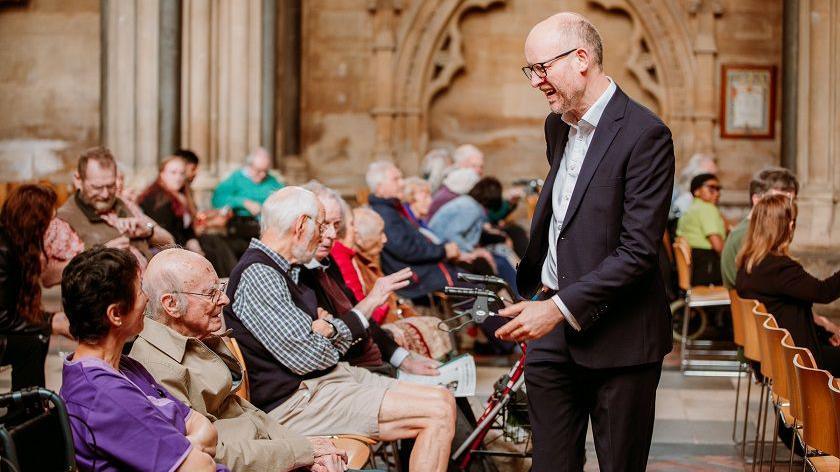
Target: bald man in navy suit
<point>599,324</point>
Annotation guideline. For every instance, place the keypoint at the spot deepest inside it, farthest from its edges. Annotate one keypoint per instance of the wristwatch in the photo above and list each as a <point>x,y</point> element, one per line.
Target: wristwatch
<point>150,226</point>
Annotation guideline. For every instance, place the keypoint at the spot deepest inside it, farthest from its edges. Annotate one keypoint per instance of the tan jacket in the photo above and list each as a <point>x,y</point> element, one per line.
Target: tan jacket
<point>204,374</point>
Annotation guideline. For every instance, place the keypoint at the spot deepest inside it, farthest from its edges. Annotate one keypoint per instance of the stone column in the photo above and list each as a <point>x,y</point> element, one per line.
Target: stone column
<point>130,86</point>
<point>705,92</point>
<point>818,135</point>
<point>169,77</point>
<point>221,99</point>
<point>384,47</point>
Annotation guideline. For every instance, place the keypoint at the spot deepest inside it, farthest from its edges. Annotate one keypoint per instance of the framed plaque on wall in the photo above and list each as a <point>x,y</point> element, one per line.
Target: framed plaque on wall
<point>748,101</point>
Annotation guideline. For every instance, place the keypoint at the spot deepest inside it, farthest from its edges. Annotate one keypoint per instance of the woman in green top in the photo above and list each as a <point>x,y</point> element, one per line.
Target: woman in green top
<point>702,226</point>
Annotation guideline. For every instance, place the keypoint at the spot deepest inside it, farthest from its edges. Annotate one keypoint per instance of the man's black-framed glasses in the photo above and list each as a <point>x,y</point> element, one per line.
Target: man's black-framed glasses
<point>214,295</point>
<point>540,68</point>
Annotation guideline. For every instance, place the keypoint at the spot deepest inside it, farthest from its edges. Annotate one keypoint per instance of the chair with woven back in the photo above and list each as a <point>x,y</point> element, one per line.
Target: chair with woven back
<point>780,386</point>
<point>359,448</point>
<point>819,430</point>
<point>759,318</point>
<point>696,296</point>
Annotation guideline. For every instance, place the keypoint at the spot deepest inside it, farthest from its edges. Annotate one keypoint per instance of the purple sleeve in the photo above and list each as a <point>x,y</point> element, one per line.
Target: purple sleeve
<point>133,432</point>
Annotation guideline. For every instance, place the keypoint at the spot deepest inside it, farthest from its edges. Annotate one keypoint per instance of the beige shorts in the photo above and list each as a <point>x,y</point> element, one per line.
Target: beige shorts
<point>345,401</point>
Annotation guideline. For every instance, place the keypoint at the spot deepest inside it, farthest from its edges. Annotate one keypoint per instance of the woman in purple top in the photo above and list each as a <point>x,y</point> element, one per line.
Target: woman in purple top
<point>121,418</point>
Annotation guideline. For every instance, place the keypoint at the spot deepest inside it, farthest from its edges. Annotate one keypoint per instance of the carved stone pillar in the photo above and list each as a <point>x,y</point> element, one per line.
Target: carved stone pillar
<point>222,81</point>
<point>818,135</point>
<point>705,54</point>
<point>130,86</point>
<point>384,47</point>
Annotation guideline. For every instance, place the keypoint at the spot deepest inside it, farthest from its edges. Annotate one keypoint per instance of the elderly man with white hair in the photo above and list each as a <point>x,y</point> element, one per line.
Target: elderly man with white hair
<point>179,347</point>
<point>292,348</point>
<point>406,246</point>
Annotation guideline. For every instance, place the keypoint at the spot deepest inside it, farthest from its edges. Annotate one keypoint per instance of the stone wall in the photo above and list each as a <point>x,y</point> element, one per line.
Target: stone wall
<point>49,86</point>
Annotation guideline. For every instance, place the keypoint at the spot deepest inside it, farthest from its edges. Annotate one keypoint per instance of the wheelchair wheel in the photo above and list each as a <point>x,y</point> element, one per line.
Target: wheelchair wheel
<point>697,322</point>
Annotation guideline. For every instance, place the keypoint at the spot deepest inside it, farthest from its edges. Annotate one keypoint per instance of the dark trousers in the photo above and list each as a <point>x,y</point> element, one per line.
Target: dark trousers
<point>26,353</point>
<point>563,396</point>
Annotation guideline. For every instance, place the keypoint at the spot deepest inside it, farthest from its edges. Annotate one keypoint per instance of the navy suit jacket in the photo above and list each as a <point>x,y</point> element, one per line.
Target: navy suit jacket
<point>607,250</point>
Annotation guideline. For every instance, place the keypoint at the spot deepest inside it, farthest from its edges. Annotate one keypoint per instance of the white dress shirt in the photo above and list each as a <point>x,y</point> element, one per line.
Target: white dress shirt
<point>580,136</point>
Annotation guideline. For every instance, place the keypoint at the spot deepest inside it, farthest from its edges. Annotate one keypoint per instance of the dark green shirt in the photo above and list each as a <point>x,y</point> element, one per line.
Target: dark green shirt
<point>731,247</point>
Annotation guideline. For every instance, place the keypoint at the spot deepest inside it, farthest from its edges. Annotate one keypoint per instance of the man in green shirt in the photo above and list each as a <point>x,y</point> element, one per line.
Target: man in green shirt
<point>246,189</point>
<point>769,181</point>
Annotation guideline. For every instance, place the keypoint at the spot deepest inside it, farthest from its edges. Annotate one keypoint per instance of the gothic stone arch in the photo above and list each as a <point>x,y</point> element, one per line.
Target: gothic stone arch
<point>428,55</point>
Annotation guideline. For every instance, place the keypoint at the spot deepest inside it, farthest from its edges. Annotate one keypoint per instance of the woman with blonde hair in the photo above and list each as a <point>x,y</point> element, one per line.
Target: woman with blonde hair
<point>768,273</point>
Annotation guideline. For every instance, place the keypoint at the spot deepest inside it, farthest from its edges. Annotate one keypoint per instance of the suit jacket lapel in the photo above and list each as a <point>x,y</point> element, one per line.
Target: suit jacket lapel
<point>542,215</point>
<point>607,129</point>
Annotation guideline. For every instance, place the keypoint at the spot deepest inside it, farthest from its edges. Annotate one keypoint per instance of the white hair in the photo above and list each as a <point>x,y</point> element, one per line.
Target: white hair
<point>461,181</point>
<point>434,166</point>
<point>414,185</point>
<point>368,224</point>
<point>698,164</point>
<point>323,192</point>
<point>252,156</point>
<point>377,173</point>
<point>464,152</point>
<point>283,208</point>
<point>161,281</point>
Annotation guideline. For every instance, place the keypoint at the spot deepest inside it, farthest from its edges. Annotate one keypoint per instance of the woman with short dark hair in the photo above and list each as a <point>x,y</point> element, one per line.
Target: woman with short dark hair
<point>24,327</point>
<point>121,418</point>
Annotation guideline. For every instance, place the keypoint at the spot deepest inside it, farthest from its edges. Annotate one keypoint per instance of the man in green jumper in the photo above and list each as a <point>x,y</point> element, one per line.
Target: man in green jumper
<point>244,192</point>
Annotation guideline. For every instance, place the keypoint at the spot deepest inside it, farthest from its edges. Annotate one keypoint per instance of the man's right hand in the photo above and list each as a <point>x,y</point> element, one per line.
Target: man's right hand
<point>120,242</point>
<point>387,285</point>
<point>323,327</point>
<point>252,207</point>
<point>452,251</point>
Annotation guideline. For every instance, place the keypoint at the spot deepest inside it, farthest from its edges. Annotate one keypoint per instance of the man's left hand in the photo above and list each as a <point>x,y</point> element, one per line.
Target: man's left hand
<point>420,365</point>
<point>531,320</point>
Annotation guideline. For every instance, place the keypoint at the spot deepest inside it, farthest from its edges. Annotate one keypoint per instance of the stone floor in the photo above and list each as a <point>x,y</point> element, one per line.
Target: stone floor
<point>693,430</point>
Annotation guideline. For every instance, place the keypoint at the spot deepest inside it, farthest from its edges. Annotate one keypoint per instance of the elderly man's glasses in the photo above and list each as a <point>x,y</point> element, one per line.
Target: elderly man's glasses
<point>713,188</point>
<point>323,226</point>
<point>541,68</point>
<point>215,293</point>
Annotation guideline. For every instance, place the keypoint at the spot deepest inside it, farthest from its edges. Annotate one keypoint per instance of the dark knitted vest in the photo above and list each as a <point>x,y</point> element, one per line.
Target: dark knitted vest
<point>272,383</point>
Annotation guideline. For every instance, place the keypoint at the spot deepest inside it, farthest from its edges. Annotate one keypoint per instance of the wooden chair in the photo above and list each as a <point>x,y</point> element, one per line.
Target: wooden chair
<point>780,385</point>
<point>759,318</point>
<point>789,351</point>
<point>695,297</point>
<point>244,390</point>
<point>738,334</point>
<point>819,429</point>
<point>834,390</point>
<point>752,352</point>
<point>359,448</point>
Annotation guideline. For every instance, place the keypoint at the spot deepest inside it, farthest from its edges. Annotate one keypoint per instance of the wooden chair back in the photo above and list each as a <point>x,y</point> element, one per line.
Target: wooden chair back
<point>774,337</point>
<point>834,390</point>
<point>244,390</point>
<point>737,311</point>
<point>752,349</point>
<point>682,255</point>
<point>759,319</point>
<point>819,429</point>
<point>789,351</point>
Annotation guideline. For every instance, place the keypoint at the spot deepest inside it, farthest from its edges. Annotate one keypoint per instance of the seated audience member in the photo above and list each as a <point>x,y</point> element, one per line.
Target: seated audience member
<point>436,164</point>
<point>293,354</point>
<point>463,220</point>
<point>418,334</point>
<point>417,200</point>
<point>180,348</point>
<point>24,328</point>
<point>175,212</point>
<point>121,418</point>
<point>456,183</point>
<point>95,215</point>
<point>770,181</point>
<point>767,273</point>
<point>324,277</point>
<point>244,192</point>
<point>406,246</point>
<point>703,228</point>
<point>682,196</point>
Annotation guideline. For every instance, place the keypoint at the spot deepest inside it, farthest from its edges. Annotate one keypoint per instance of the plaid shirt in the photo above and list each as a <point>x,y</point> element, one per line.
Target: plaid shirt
<point>264,305</point>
